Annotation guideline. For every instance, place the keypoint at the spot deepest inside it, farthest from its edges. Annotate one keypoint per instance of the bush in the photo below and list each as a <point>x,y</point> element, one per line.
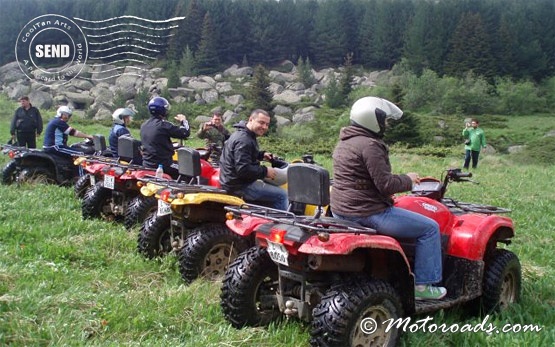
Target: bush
<point>538,151</point>
<point>519,97</point>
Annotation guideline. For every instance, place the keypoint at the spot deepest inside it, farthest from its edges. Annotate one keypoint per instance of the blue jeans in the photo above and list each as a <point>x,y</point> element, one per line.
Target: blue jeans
<point>266,194</point>
<point>400,223</point>
<point>469,154</point>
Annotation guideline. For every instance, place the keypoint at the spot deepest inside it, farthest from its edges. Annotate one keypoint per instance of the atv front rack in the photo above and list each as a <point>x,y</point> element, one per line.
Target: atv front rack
<point>320,224</point>
<point>458,207</point>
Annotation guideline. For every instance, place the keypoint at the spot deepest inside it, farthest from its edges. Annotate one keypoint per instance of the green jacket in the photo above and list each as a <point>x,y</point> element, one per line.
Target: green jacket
<point>477,139</point>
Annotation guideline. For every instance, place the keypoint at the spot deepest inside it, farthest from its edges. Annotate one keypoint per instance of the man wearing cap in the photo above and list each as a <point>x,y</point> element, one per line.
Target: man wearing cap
<point>26,123</point>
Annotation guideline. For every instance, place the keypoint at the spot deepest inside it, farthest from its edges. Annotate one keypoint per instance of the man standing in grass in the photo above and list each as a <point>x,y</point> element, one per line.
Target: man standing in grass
<point>27,123</point>
<point>475,140</point>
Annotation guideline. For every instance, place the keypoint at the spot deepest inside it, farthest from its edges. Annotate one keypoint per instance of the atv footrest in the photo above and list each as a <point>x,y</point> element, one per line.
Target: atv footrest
<point>424,306</point>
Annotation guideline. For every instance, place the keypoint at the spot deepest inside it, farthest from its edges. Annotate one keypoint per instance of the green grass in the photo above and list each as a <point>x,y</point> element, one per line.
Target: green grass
<point>69,282</point>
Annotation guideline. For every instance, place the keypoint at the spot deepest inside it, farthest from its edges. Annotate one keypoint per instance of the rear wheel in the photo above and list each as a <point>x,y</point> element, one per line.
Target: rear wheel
<point>81,186</point>
<point>357,313</point>
<point>249,289</point>
<point>140,208</point>
<point>502,281</point>
<point>36,175</point>
<point>155,237</point>
<point>9,172</point>
<point>96,203</point>
<point>208,250</point>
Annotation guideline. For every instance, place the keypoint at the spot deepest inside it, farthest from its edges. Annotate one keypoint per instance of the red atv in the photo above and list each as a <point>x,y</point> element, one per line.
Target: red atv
<point>92,166</point>
<point>110,196</point>
<point>339,275</point>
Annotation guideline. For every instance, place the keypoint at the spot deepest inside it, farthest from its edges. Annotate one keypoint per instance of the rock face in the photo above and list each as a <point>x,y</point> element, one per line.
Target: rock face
<point>94,90</point>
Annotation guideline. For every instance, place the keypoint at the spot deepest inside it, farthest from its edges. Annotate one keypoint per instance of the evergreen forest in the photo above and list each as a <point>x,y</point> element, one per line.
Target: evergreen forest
<point>491,38</point>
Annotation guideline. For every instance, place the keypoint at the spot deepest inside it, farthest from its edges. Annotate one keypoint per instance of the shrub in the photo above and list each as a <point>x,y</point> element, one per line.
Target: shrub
<point>518,97</point>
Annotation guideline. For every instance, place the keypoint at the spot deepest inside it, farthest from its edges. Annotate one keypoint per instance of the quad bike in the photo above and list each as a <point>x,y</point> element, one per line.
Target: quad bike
<point>92,166</point>
<point>110,196</point>
<point>338,275</point>
<point>146,203</point>
<point>193,224</point>
<point>36,165</point>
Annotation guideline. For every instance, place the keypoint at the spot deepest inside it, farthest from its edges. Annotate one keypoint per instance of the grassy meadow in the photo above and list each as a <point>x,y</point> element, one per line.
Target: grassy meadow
<point>69,282</point>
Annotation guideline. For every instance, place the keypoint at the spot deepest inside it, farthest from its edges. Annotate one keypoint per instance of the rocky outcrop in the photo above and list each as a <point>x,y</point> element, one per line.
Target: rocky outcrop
<point>93,91</point>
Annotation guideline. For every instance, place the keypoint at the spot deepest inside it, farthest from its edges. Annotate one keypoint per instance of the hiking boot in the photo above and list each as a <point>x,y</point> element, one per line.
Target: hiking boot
<point>429,293</point>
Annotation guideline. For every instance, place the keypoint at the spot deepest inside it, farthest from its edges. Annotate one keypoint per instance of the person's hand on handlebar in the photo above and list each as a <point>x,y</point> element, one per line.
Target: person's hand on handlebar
<point>414,177</point>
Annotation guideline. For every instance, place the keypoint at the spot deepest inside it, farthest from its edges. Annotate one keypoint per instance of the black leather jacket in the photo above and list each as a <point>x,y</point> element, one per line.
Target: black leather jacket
<point>240,160</point>
<point>156,135</point>
<point>26,121</point>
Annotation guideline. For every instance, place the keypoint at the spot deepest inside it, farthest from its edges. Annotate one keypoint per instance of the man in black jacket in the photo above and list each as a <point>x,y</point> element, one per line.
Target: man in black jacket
<point>240,171</point>
<point>156,135</point>
<point>27,122</point>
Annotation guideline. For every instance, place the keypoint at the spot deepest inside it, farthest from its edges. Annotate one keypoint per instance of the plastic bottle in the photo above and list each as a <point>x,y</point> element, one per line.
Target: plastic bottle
<point>159,171</point>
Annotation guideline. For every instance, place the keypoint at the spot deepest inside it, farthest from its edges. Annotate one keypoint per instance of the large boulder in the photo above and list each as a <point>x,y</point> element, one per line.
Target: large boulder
<point>287,97</point>
<point>236,71</point>
<point>41,99</point>
<point>234,99</point>
<point>10,73</point>
<point>210,96</point>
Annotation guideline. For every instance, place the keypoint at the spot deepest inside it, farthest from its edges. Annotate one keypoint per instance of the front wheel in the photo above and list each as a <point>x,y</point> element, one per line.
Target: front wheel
<point>357,313</point>
<point>249,289</point>
<point>97,202</point>
<point>140,208</point>
<point>502,281</point>
<point>9,172</point>
<point>155,237</point>
<point>208,250</point>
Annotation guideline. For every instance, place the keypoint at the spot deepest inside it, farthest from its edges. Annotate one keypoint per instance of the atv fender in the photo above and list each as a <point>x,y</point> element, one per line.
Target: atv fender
<point>200,198</point>
<point>347,243</point>
<point>472,233</point>
<point>245,226</point>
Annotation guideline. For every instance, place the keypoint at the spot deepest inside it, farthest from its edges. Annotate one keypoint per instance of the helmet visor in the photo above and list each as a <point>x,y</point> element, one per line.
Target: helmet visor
<point>391,110</point>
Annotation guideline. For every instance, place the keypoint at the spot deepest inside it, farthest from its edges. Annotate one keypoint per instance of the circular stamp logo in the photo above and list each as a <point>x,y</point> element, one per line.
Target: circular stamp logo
<point>51,49</point>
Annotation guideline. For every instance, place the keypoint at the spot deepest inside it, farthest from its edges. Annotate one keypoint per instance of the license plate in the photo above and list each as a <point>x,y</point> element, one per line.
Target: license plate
<point>163,208</point>
<point>278,253</point>
<point>109,181</point>
<point>92,179</point>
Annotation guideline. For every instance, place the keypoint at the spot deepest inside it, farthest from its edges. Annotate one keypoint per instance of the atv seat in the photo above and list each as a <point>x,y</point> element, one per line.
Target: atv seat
<point>188,162</point>
<point>308,184</point>
<point>99,142</point>
<point>128,149</point>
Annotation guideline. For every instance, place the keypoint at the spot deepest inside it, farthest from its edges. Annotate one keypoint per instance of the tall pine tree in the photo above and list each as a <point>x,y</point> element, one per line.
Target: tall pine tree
<point>207,60</point>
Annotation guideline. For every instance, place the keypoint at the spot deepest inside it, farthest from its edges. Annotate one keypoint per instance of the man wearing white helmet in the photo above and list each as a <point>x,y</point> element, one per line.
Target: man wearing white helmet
<point>57,132</point>
<point>121,119</point>
<point>363,185</point>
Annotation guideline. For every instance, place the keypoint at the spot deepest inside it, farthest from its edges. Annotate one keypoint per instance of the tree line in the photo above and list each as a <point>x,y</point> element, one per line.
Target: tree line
<point>507,38</point>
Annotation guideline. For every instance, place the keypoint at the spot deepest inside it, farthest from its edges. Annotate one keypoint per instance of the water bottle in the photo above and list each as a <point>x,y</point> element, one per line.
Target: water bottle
<point>159,171</point>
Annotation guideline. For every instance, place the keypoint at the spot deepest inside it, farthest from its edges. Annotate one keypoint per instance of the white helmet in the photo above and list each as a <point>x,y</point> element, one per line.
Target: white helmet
<point>371,112</point>
<point>63,109</point>
<point>121,113</point>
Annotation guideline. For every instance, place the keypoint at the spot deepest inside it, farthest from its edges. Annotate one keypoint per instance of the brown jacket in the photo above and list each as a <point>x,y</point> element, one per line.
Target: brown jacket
<point>363,183</point>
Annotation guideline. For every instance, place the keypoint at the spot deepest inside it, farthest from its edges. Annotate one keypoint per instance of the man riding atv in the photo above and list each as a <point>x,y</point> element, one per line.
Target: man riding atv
<point>57,131</point>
